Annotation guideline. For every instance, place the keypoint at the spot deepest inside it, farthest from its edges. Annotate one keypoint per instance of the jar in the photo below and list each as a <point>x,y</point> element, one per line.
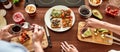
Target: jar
<point>7,4</point>
<point>18,18</point>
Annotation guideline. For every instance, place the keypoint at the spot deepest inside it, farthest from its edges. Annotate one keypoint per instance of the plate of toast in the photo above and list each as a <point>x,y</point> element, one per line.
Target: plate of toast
<point>2,22</point>
<point>59,18</point>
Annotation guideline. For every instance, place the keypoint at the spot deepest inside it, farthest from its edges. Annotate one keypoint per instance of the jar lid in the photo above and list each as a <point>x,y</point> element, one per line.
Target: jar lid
<point>3,0</point>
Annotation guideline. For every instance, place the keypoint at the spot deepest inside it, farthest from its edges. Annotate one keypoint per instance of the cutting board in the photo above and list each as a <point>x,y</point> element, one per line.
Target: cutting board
<point>29,43</point>
<point>94,38</point>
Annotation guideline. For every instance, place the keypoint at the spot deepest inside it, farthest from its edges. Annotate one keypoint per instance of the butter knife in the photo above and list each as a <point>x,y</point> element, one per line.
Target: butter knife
<point>115,38</point>
<point>48,37</point>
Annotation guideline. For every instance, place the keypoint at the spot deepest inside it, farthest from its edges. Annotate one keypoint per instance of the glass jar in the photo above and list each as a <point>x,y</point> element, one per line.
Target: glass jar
<point>7,4</point>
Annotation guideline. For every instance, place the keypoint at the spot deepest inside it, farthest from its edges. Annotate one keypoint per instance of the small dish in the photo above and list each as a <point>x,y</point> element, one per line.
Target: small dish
<point>112,10</point>
<point>85,11</point>
<point>95,2</point>
<point>2,12</point>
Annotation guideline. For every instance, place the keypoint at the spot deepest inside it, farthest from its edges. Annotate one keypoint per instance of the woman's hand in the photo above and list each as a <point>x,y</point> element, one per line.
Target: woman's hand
<point>5,35</point>
<point>95,23</point>
<point>68,47</point>
<point>38,33</point>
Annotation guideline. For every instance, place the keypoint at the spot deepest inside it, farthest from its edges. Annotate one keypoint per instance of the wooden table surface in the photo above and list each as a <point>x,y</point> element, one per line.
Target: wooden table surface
<point>71,35</point>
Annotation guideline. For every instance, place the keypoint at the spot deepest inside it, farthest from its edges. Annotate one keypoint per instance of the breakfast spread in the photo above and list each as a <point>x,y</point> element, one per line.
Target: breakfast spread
<point>61,18</point>
<point>93,35</point>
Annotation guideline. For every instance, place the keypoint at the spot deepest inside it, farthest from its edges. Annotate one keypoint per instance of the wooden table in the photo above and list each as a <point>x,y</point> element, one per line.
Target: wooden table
<point>71,35</point>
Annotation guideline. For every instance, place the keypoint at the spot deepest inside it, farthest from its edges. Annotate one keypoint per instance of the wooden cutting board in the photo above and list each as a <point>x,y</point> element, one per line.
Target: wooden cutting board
<point>29,44</point>
<point>94,38</point>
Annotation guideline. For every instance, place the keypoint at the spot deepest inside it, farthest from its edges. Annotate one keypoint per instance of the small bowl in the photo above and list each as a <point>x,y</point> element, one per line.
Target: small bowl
<point>86,11</point>
<point>112,10</point>
<point>95,4</point>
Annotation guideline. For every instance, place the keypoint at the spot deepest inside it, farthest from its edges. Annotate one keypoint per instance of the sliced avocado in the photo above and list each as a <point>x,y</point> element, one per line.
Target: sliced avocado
<point>87,33</point>
<point>103,30</point>
<point>97,14</point>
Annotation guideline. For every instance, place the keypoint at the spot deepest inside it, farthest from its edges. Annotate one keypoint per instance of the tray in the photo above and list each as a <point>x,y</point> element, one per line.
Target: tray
<point>28,44</point>
<point>93,39</point>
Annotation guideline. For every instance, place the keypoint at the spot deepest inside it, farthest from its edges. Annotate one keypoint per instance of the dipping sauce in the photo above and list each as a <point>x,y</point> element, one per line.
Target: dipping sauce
<point>85,11</point>
<point>15,29</point>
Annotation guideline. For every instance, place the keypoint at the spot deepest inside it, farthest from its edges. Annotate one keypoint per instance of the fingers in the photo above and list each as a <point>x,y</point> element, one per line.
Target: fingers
<point>36,28</point>
<point>38,32</point>
<point>10,25</point>
<point>71,45</point>
<point>67,44</point>
<point>64,46</point>
<point>7,27</point>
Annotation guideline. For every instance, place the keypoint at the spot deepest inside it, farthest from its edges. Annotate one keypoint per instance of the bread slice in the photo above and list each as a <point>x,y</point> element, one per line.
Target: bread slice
<point>67,22</point>
<point>56,22</point>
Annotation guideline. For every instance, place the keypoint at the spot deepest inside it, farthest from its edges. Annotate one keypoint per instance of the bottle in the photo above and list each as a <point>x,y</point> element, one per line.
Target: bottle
<point>7,4</point>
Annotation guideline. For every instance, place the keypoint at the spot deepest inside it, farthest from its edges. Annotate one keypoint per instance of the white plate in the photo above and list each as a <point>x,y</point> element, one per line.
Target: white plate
<point>2,12</point>
<point>2,22</point>
<point>47,18</point>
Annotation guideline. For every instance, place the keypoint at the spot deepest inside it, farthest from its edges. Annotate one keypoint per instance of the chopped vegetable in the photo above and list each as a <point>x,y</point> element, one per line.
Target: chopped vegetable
<point>87,33</point>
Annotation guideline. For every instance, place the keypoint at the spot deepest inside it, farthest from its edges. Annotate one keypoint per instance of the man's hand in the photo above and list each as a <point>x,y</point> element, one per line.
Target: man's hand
<point>95,23</point>
<point>5,35</point>
<point>68,47</point>
<point>38,33</point>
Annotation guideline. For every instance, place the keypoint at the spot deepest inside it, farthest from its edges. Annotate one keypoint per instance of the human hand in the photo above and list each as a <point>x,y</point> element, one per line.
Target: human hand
<point>5,35</point>
<point>38,33</point>
<point>95,23</point>
<point>68,47</point>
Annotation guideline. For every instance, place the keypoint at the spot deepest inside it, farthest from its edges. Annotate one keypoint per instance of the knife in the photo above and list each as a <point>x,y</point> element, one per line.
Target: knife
<point>117,39</point>
<point>48,37</point>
